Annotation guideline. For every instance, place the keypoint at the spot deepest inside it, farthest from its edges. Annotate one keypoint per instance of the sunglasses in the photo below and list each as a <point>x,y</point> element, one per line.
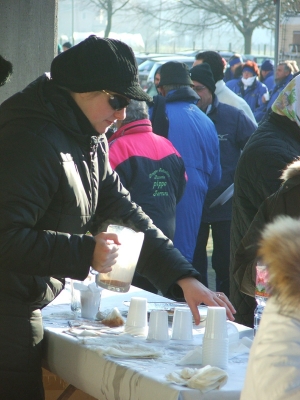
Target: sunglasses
<point>116,101</point>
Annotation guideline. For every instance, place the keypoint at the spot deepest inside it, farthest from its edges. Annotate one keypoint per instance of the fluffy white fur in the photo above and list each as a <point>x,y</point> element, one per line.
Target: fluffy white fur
<point>291,170</point>
<point>280,251</point>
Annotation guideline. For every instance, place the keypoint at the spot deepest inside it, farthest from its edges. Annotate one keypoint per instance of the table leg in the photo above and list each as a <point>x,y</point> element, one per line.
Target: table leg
<point>67,393</point>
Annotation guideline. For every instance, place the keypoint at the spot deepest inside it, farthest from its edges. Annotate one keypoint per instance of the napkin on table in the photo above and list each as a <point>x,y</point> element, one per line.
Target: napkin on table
<point>204,379</point>
<point>128,350</point>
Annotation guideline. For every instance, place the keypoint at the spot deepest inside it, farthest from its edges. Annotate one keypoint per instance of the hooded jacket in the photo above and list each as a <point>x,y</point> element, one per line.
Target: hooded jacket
<point>195,138</point>
<point>274,145</point>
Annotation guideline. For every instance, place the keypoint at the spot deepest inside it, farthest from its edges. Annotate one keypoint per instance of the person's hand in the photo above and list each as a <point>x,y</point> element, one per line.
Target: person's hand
<point>105,252</point>
<point>196,293</point>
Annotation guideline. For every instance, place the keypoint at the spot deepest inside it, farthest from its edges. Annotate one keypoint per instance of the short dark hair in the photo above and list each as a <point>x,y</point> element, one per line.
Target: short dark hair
<point>215,62</point>
<point>68,45</point>
<point>6,70</point>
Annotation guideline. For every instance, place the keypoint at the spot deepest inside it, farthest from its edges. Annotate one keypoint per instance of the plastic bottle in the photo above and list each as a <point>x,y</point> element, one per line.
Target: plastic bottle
<point>261,293</point>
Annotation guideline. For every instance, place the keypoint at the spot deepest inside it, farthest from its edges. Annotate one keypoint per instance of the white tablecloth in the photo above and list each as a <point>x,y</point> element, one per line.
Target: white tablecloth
<point>78,362</point>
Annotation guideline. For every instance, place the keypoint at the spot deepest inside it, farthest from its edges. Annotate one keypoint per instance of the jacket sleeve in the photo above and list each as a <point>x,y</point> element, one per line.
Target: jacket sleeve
<point>245,128</point>
<point>30,172</point>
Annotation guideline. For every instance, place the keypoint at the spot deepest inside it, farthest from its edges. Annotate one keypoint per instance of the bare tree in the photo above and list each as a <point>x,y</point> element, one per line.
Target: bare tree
<point>244,15</point>
<point>111,7</point>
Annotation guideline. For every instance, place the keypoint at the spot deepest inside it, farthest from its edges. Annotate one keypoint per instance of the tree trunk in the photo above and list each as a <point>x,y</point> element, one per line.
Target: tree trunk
<point>109,18</point>
<point>247,41</point>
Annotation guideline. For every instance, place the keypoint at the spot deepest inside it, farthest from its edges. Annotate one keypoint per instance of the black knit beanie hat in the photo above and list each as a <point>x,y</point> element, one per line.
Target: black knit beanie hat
<point>98,64</point>
<point>174,72</point>
<point>202,73</point>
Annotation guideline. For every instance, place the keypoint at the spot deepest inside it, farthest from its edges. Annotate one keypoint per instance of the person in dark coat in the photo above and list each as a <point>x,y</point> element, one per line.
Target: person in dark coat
<point>234,129</point>
<point>283,202</point>
<point>57,186</point>
<point>151,169</point>
<point>274,145</point>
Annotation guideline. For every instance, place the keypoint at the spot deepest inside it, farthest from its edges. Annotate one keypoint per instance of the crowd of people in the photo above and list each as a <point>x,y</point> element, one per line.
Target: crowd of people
<point>85,146</point>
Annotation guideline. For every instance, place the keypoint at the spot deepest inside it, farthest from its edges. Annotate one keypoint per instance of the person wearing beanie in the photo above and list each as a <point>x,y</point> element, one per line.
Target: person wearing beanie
<point>234,129</point>
<point>225,95</point>
<point>267,74</point>
<point>234,68</point>
<point>195,138</point>
<point>251,89</point>
<point>57,188</point>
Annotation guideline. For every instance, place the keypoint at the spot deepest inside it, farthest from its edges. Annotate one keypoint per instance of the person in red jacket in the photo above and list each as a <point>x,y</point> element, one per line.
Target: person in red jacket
<point>151,169</point>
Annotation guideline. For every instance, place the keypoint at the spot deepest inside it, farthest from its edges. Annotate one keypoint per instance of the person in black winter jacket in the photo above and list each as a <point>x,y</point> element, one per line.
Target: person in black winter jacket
<point>274,145</point>
<point>283,202</point>
<point>56,186</point>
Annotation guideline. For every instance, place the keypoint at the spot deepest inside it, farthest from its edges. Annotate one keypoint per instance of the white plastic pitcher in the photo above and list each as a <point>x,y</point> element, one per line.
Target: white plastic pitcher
<point>120,278</point>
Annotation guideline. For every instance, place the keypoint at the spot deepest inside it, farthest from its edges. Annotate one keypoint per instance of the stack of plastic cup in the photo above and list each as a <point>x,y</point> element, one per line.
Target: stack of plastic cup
<point>215,340</point>
<point>182,327</point>
<point>136,322</point>
<point>158,325</point>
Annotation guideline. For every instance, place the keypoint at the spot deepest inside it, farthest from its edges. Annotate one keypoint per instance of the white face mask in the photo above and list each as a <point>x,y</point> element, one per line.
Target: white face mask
<point>248,81</point>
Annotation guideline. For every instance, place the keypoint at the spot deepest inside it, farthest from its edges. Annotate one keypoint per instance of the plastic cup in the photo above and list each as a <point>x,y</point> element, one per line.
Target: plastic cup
<point>216,327</point>
<point>215,340</point>
<point>158,325</point>
<point>90,303</point>
<point>215,352</point>
<point>120,278</point>
<point>136,322</point>
<point>182,327</point>
<point>75,298</point>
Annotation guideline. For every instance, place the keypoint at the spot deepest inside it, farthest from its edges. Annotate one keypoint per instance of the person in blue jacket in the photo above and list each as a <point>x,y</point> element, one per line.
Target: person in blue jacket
<point>267,74</point>
<point>234,128</point>
<point>195,138</point>
<point>250,89</point>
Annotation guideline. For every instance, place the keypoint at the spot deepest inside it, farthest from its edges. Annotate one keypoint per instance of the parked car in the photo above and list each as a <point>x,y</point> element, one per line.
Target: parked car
<point>141,57</point>
<point>146,77</point>
<point>226,54</point>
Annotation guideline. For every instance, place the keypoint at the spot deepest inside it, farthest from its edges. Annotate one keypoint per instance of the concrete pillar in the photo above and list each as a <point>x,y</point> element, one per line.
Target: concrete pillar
<point>28,39</point>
